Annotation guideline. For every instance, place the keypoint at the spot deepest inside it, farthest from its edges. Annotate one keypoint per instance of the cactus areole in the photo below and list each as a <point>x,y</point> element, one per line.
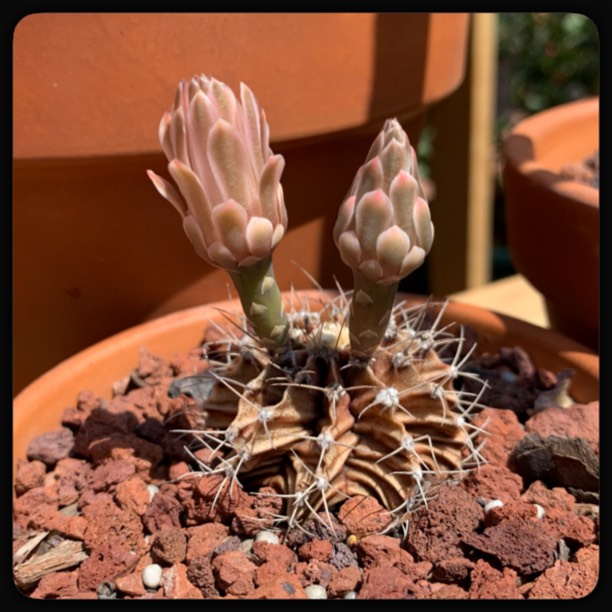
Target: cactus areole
<point>325,401</point>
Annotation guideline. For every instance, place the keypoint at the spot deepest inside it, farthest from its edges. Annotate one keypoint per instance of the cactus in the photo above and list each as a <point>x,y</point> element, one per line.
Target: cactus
<point>325,401</point>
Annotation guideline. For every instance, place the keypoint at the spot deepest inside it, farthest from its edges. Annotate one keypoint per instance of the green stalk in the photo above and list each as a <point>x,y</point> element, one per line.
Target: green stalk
<point>261,301</point>
<point>370,312</point>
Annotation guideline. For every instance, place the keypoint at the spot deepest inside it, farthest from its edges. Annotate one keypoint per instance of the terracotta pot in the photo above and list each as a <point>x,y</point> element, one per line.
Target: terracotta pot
<point>85,215</point>
<point>38,408</point>
<point>552,223</point>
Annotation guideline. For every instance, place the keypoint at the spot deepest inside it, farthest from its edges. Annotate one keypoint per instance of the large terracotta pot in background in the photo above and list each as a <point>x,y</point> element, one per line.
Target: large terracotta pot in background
<point>96,250</point>
<point>552,223</point>
<point>38,408</point>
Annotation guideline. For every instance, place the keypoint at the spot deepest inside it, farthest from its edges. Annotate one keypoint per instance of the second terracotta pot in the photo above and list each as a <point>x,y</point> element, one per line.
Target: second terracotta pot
<point>552,222</point>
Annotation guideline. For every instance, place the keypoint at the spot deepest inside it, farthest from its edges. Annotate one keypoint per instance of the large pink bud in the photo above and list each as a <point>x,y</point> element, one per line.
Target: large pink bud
<point>229,193</point>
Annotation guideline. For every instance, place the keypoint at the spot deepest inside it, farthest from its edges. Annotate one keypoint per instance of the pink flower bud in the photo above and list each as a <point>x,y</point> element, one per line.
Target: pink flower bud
<point>384,228</point>
<point>229,193</point>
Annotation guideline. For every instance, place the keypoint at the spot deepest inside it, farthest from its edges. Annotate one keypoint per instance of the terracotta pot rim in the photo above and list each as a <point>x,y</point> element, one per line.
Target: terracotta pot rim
<point>538,127</point>
<point>465,313</point>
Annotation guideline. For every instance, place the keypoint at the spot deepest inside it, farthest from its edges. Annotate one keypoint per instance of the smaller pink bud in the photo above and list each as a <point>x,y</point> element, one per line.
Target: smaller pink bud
<point>384,226</point>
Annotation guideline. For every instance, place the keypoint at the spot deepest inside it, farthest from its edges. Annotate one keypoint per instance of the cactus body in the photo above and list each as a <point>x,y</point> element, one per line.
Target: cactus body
<point>320,425</point>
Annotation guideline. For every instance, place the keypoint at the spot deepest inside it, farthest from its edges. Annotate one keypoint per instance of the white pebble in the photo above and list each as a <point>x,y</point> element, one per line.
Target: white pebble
<point>316,591</point>
<point>350,595</point>
<point>494,503</point>
<point>540,512</point>
<point>151,576</point>
<point>267,536</point>
<point>246,546</point>
<point>153,489</point>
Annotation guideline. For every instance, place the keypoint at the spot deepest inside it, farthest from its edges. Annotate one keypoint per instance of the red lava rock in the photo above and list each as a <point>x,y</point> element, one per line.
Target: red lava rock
<point>363,515</point>
<point>489,583</point>
<point>143,454</point>
<point>314,572</point>
<point>577,421</point>
<point>29,474</point>
<point>202,539</point>
<point>35,508</point>
<point>503,432</point>
<point>162,511</point>
<point>440,590</point>
<point>435,531</point>
<point>57,585</point>
<point>133,494</point>
<point>387,583</point>
<point>566,580</point>
<point>415,570</point>
<point>267,551</point>
<point>51,447</point>
<point>176,584</point>
<point>574,529</point>
<point>72,476</point>
<point>319,550</point>
<point>342,556</point>
<point>89,497</point>
<point>121,414</point>
<point>200,574</point>
<point>169,545</point>
<point>108,474</point>
<point>453,570</point>
<point>269,570</point>
<point>520,544</point>
<point>215,490</point>
<point>380,551</point>
<point>86,402</point>
<point>72,527</point>
<point>589,557</point>
<point>285,586</point>
<point>557,497</point>
<point>492,481</point>
<point>152,367</point>
<point>178,469</point>
<point>106,562</point>
<point>131,584</point>
<point>344,580</point>
<point>109,523</point>
<point>145,402</point>
<point>257,512</point>
<point>234,573</point>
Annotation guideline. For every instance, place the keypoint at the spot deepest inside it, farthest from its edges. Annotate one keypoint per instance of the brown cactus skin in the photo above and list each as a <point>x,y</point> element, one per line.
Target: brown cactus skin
<point>320,423</point>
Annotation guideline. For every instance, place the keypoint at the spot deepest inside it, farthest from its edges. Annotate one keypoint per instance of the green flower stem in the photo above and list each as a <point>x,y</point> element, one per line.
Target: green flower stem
<point>261,301</point>
<point>370,312</point>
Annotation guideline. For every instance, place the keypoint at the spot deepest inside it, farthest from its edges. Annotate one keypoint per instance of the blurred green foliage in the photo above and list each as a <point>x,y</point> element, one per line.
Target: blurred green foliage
<point>545,59</point>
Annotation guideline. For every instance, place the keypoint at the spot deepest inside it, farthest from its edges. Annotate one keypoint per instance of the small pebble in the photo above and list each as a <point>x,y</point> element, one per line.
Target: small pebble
<point>151,576</point>
<point>153,489</point>
<point>267,536</point>
<point>316,591</point>
<point>494,503</point>
<point>540,512</point>
<point>350,595</point>
<point>246,546</point>
<point>352,539</point>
